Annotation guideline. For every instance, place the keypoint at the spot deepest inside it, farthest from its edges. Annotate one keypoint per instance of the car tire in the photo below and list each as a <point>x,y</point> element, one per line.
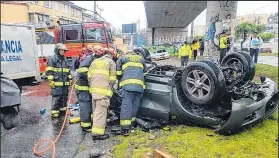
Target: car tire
<point>204,92</point>
<point>148,56</point>
<point>251,63</point>
<point>219,74</point>
<point>141,51</point>
<point>239,60</point>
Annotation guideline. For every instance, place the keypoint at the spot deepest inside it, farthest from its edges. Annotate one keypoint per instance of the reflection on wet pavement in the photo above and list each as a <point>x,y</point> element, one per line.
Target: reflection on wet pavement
<point>19,141</point>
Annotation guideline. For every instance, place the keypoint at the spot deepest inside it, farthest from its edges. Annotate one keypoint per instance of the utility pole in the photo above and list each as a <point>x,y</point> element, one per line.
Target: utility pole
<point>100,9</point>
<point>131,42</point>
<point>95,12</point>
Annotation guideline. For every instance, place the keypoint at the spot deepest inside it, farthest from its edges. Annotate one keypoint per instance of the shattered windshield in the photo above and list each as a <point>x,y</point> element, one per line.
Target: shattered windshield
<point>95,34</point>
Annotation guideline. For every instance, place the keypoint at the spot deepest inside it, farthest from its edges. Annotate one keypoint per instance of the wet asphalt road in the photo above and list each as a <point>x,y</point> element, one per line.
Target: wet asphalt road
<point>19,141</point>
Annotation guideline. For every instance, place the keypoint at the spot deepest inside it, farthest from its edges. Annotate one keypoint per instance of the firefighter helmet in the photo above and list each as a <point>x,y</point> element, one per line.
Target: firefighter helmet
<point>90,46</point>
<point>98,50</point>
<point>60,46</point>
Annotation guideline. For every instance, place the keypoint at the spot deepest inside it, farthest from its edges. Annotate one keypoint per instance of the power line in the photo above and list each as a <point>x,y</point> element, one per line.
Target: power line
<point>263,6</point>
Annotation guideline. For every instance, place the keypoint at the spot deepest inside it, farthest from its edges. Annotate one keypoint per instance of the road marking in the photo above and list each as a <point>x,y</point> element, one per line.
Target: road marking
<point>23,94</point>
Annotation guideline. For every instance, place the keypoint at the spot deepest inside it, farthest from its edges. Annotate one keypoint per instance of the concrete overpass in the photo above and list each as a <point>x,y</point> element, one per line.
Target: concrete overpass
<point>168,20</point>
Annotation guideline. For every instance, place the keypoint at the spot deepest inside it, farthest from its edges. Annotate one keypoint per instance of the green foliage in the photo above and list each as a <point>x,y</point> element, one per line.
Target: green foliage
<point>169,48</point>
<point>249,27</point>
<point>266,36</point>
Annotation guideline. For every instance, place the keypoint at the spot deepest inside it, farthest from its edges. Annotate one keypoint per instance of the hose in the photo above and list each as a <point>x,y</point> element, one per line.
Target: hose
<point>52,142</point>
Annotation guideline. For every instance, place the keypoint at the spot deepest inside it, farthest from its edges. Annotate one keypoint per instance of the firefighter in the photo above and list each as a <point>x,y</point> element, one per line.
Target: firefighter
<point>185,53</point>
<point>223,45</point>
<point>59,76</point>
<point>130,70</point>
<point>82,89</point>
<point>102,76</point>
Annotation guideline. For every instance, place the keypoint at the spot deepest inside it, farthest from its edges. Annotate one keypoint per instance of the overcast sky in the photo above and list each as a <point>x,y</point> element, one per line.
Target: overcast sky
<point>124,12</point>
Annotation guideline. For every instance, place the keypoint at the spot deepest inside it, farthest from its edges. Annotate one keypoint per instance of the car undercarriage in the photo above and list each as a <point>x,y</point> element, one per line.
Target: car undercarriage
<point>222,97</point>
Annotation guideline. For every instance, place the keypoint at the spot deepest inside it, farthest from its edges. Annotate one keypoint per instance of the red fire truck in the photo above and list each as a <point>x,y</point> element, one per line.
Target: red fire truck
<point>75,37</point>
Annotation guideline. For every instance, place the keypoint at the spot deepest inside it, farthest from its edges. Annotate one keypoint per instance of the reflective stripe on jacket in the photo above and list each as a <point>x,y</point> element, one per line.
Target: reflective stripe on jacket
<point>131,67</point>
<point>82,83</point>
<point>223,42</point>
<point>102,76</point>
<point>58,73</point>
<point>185,50</point>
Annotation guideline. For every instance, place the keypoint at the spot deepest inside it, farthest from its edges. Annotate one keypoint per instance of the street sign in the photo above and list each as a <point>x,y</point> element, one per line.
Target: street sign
<point>129,28</point>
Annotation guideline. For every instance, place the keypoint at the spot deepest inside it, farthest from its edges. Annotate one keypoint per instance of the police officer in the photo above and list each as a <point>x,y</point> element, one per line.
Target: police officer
<point>102,76</point>
<point>59,76</point>
<point>82,89</point>
<point>130,69</point>
<point>223,45</point>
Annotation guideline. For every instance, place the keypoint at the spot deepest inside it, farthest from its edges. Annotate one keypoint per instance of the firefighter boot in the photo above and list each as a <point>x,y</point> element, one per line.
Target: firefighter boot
<point>55,113</point>
<point>124,132</point>
<point>100,137</point>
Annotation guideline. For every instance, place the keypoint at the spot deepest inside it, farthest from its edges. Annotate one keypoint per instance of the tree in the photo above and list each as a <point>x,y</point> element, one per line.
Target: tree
<point>249,27</point>
<point>273,18</point>
<point>266,36</point>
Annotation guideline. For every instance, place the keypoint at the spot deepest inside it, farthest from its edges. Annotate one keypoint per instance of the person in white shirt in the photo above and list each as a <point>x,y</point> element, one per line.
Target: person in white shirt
<point>255,43</point>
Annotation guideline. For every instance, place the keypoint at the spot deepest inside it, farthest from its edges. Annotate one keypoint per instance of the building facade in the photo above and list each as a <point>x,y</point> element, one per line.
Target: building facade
<point>254,18</point>
<point>34,12</point>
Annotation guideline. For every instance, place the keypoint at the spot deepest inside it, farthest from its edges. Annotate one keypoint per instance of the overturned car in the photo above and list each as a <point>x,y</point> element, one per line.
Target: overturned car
<point>222,97</point>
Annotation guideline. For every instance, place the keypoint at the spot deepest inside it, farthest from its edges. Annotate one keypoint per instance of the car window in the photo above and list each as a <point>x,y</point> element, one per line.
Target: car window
<point>159,51</point>
<point>94,34</point>
<point>46,37</point>
<point>71,35</point>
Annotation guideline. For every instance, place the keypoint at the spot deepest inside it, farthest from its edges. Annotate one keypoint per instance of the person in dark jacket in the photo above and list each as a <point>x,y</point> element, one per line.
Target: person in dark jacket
<point>59,76</point>
<point>82,89</point>
<point>130,69</point>
<point>201,47</point>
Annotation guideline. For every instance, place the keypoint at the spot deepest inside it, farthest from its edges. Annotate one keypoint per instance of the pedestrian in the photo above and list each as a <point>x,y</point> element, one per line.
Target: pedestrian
<point>130,71</point>
<point>82,55</point>
<point>201,47</point>
<point>185,53</point>
<point>223,45</point>
<point>59,76</point>
<point>255,43</point>
<point>102,76</point>
<point>82,89</point>
<point>195,47</point>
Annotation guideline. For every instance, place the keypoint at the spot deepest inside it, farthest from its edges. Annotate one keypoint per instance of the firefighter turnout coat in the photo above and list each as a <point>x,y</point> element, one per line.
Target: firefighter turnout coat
<point>131,67</point>
<point>82,91</point>
<point>58,74</point>
<point>102,75</point>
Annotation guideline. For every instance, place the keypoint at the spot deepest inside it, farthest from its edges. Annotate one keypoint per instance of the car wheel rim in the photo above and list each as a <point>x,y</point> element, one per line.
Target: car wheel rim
<point>198,84</point>
<point>237,65</point>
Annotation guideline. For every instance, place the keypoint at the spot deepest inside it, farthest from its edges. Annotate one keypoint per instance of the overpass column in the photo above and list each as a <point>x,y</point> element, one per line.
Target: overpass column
<point>220,16</point>
<point>153,36</point>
